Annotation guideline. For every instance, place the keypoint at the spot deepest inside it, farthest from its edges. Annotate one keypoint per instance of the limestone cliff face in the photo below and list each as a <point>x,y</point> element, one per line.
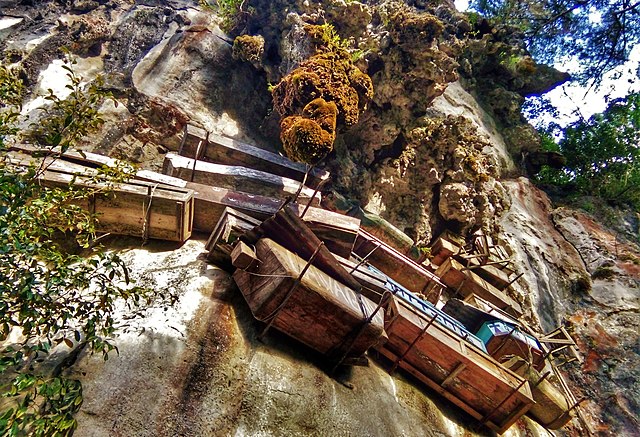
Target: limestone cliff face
<point>439,147</point>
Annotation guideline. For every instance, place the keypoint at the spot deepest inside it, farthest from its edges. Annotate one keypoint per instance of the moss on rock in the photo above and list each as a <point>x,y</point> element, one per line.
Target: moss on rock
<point>331,76</point>
<point>309,137</point>
<point>414,28</point>
<point>249,48</point>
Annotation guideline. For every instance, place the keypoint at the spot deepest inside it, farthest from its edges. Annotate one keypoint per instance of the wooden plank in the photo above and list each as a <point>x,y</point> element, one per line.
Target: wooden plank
<point>499,278</point>
<point>338,231</point>
<point>385,231</point>
<point>442,249</point>
<point>373,283</point>
<point>321,312</point>
<point>465,282</point>
<point>479,383</point>
<point>235,177</point>
<point>135,208</point>
<point>394,264</point>
<point>224,150</point>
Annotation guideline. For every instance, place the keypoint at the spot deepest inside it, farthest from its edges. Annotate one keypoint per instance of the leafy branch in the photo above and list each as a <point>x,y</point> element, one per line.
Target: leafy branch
<point>52,292</point>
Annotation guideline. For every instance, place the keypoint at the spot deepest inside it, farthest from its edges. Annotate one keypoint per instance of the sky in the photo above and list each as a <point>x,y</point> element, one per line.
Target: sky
<point>575,101</point>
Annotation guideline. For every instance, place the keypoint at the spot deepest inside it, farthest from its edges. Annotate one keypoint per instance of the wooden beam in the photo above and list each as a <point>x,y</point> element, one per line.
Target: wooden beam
<point>394,264</point>
<point>466,282</point>
<point>225,150</point>
<point>235,177</point>
<point>453,374</point>
<point>243,257</point>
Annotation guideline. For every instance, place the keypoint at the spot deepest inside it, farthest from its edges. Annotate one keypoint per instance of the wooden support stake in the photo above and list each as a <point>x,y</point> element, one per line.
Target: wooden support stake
<point>513,280</point>
<point>542,378</point>
<point>364,260</point>
<point>184,138</point>
<point>272,317</point>
<point>486,418</point>
<point>147,214</point>
<point>455,372</point>
<point>195,161</point>
<point>383,301</point>
<point>324,181</point>
<point>417,339</point>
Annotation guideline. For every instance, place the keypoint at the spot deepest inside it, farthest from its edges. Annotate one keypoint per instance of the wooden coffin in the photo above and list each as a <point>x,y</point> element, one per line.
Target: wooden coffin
<point>135,208</point>
<point>503,339</point>
<point>231,226</point>
<point>395,265</point>
<point>443,248</point>
<point>552,409</point>
<point>454,368</point>
<point>199,144</point>
<point>235,177</point>
<point>338,231</point>
<point>372,282</point>
<point>466,282</point>
<point>290,231</point>
<point>320,312</point>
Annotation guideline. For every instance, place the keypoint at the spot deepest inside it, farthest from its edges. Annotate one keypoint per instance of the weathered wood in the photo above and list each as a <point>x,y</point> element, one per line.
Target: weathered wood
<point>338,231</point>
<point>243,257</point>
<point>454,368</point>
<point>465,282</point>
<point>321,312</point>
<point>373,283</point>
<point>231,226</point>
<point>442,249</point>
<point>224,150</point>
<point>135,208</point>
<point>235,177</point>
<point>290,231</point>
<point>551,409</point>
<point>392,263</point>
<point>385,231</point>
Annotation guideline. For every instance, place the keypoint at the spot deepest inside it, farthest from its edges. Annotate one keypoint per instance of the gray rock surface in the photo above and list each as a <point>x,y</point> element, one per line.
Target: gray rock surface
<point>195,367</point>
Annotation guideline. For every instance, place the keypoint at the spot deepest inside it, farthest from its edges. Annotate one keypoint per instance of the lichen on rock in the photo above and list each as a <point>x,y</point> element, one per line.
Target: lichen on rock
<point>249,48</point>
<point>441,177</point>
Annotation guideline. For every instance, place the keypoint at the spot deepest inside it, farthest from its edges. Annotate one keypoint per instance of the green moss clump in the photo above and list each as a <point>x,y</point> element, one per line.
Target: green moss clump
<point>414,28</point>
<point>249,48</point>
<point>330,75</point>
<point>309,137</point>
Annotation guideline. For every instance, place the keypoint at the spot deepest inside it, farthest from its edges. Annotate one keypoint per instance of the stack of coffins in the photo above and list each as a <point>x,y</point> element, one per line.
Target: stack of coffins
<point>456,368</point>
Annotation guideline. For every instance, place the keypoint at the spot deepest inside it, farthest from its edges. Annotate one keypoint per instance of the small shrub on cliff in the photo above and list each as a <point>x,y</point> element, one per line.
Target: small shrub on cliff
<point>231,12</point>
<point>48,295</point>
